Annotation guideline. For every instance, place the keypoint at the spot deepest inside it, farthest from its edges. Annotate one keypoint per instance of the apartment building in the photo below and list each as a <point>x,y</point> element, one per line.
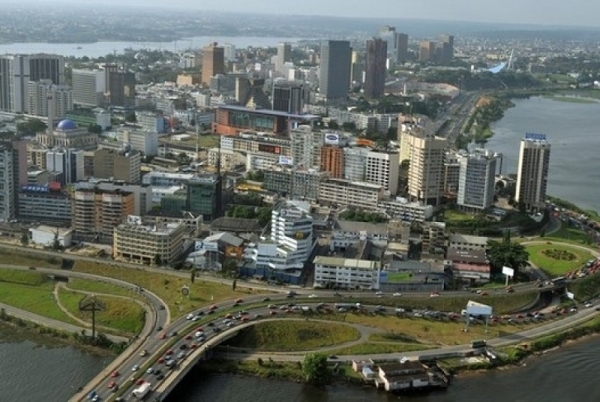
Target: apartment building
<point>476,182</point>
<point>383,168</point>
<point>532,172</point>
<point>425,173</point>
<point>350,193</point>
<point>346,273</point>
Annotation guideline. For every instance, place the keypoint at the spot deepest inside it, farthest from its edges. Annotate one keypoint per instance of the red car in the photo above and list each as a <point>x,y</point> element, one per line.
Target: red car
<point>199,329</point>
<point>169,352</point>
<point>245,319</point>
<point>273,312</point>
<point>114,374</point>
<point>213,307</point>
<point>112,384</point>
<point>140,381</point>
<point>193,346</point>
<point>161,360</point>
<point>162,336</point>
<point>229,316</point>
<point>188,337</point>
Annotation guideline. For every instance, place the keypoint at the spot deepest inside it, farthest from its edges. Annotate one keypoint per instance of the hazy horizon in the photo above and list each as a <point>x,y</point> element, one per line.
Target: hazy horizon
<point>551,12</point>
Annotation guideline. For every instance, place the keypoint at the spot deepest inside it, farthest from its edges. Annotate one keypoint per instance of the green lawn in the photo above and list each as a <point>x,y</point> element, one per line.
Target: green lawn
<point>452,215</point>
<point>554,264</point>
<point>125,317</point>
<point>568,234</point>
<point>87,285</point>
<point>23,277</point>
<point>379,347</point>
<point>398,276</point>
<point>168,287</point>
<point>290,336</point>
<point>36,299</point>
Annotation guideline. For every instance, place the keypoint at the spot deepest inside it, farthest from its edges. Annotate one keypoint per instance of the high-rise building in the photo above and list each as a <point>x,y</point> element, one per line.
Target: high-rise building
<point>45,98</point>
<point>426,51</point>
<point>334,78</point>
<point>332,161</point>
<point>355,163</point>
<point>202,196</point>
<point>446,45</point>
<point>66,163</point>
<point>288,97</point>
<point>89,87</point>
<point>305,146</point>
<point>17,70</point>
<point>122,165</point>
<point>292,229</point>
<point>213,62</point>
<point>400,47</point>
<point>357,68</point>
<point>426,169</point>
<point>284,55</point>
<point>476,180</point>
<point>121,88</point>
<point>375,71</point>
<point>7,182</point>
<point>229,52</point>
<point>532,173</point>
<point>383,168</point>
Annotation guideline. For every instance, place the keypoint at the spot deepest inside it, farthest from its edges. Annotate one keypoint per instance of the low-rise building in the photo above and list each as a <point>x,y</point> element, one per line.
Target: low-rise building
<point>469,265</point>
<point>412,276</point>
<point>47,236</point>
<point>346,233</point>
<point>466,242</point>
<point>403,375</point>
<point>44,204</point>
<point>402,209</point>
<point>244,228</point>
<point>348,193</point>
<point>157,244</point>
<point>346,273</point>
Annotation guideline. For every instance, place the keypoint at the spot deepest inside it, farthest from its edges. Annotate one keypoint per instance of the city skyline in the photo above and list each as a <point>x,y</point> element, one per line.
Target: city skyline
<point>554,12</point>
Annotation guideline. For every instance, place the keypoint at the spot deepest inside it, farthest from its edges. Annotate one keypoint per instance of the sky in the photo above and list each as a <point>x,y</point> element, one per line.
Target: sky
<point>546,12</point>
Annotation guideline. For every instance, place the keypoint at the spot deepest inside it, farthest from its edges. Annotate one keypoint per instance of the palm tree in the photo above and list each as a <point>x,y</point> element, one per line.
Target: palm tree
<point>506,253</point>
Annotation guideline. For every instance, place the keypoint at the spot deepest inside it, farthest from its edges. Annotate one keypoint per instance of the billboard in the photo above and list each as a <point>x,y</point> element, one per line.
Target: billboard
<point>508,271</point>
<point>272,149</point>
<point>286,160</point>
<point>206,245</point>
<point>332,139</point>
<point>475,308</point>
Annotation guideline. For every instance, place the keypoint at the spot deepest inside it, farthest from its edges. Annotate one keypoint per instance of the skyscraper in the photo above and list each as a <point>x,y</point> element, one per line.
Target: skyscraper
<point>284,55</point>
<point>213,62</point>
<point>67,162</point>
<point>447,47</point>
<point>45,98</point>
<point>7,182</point>
<point>334,78</point>
<point>17,70</point>
<point>375,71</point>
<point>476,180</point>
<point>121,87</point>
<point>288,97</point>
<point>426,169</point>
<point>532,174</point>
<point>426,51</point>
<point>400,47</point>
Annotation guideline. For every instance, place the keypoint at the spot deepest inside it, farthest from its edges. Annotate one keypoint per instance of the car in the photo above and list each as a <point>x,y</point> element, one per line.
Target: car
<point>189,316</point>
<point>332,357</point>
<point>483,294</point>
<point>161,307</point>
<point>273,312</point>
<point>230,324</point>
<point>434,294</point>
<point>291,293</point>
<point>173,334</point>
<point>196,318</point>
<point>210,312</point>
<point>162,335</point>
<point>289,296</point>
<point>160,376</point>
<point>199,329</point>
<point>159,328</point>
<point>188,337</point>
<point>92,394</point>
<point>157,372</point>
<point>266,299</point>
<point>342,309</point>
<point>312,296</point>
<point>229,316</point>
<point>144,353</point>
<point>170,363</point>
<point>150,370</point>
<point>509,289</point>
<point>271,306</point>
<point>200,313</point>
<point>245,319</point>
<point>140,381</point>
<point>239,301</point>
<point>114,374</point>
<point>217,329</point>
<point>213,307</point>
<point>210,324</point>
<point>135,368</point>
<point>181,355</point>
<point>588,305</point>
<point>379,293</point>
<point>199,334</point>
<point>397,294</point>
<point>183,346</point>
<point>193,345</point>
<point>256,316</point>
<point>160,360</point>
<point>169,352</point>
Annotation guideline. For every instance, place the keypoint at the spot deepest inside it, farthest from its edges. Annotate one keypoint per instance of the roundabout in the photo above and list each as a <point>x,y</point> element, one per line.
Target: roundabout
<point>558,259</point>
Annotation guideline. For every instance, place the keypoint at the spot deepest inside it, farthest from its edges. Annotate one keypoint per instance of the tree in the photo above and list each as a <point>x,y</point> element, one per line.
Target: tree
<point>507,254</point>
<point>31,127</point>
<point>193,274</point>
<point>94,129</point>
<point>24,239</point>
<point>130,117</point>
<point>314,368</point>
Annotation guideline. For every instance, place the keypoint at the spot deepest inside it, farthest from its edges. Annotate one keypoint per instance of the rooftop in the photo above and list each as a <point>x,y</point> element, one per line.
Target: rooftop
<point>467,256</point>
<point>346,262</point>
<point>235,225</point>
<point>460,238</point>
<point>357,227</point>
<point>271,112</point>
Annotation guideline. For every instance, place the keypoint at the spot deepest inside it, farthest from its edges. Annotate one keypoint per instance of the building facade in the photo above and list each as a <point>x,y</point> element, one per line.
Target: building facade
<point>346,273</point>
<point>332,161</point>
<point>354,194</point>
<point>49,100</point>
<point>476,180</point>
<point>7,183</point>
<point>375,73</point>
<point>66,163</point>
<point>118,165</point>
<point>383,168</point>
<point>68,135</point>
<point>334,78</point>
<point>89,87</point>
<point>41,203</point>
<point>213,62</point>
<point>426,169</point>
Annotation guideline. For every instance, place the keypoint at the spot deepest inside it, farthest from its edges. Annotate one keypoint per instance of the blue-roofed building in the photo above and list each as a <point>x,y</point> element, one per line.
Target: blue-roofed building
<point>66,125</point>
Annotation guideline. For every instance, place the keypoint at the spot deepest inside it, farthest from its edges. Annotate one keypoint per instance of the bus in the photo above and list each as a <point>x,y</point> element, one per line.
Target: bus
<point>478,344</point>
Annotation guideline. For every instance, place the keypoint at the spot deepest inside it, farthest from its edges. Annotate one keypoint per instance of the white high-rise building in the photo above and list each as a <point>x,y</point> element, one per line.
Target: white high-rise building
<point>69,162</point>
<point>426,169</point>
<point>532,174</point>
<point>45,98</point>
<point>383,168</point>
<point>89,87</point>
<point>476,180</point>
<point>306,147</point>
<point>229,52</point>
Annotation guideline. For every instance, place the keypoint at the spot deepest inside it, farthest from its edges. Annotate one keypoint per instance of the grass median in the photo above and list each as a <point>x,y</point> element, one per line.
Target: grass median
<point>294,336</point>
<point>168,287</point>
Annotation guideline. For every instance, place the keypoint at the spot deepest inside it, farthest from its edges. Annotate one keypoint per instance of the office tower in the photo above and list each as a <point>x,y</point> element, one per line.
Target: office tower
<point>284,55</point>
<point>334,77</point>
<point>476,180</point>
<point>122,165</point>
<point>67,163</point>
<point>241,89</point>
<point>400,47</point>
<point>355,162</point>
<point>332,160</point>
<point>532,174</point>
<point>383,168</point>
<point>447,47</point>
<point>89,87</point>
<point>7,182</point>
<point>202,196</point>
<point>426,51</point>
<point>17,70</point>
<point>357,68</point>
<point>375,71</point>
<point>288,97</point>
<point>426,169</point>
<point>121,88</point>
<point>229,52</point>
<point>45,98</point>
<point>213,62</point>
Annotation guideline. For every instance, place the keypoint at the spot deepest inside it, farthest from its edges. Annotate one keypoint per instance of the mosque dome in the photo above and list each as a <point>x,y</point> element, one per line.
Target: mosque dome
<point>67,125</point>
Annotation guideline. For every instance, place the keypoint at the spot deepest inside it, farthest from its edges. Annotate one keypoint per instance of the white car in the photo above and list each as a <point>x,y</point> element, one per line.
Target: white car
<point>135,368</point>
<point>379,293</point>
<point>397,294</point>
<point>150,370</point>
<point>312,296</point>
<point>190,316</point>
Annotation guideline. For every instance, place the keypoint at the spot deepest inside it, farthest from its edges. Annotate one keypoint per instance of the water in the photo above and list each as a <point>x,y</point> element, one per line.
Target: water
<point>34,368</point>
<point>98,49</point>
<point>573,129</point>
<point>568,374</point>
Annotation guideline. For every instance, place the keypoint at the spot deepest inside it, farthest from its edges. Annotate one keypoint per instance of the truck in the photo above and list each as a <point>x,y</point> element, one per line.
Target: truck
<point>143,390</point>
